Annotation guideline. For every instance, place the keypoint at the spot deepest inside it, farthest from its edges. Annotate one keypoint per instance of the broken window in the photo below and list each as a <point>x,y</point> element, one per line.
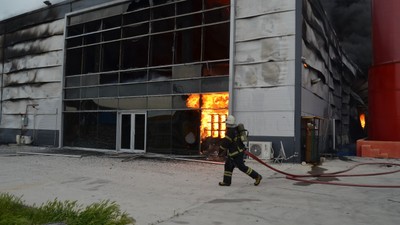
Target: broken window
<point>159,131</point>
<point>188,46</point>
<point>111,35</point>
<point>75,30</point>
<point>160,74</point>
<point>110,56</point>
<point>109,78</point>
<point>186,86</point>
<point>133,76</point>
<point>74,42</point>
<point>91,59</point>
<point>186,134</point>
<point>151,56</point>
<point>159,88</point>
<point>215,38</point>
<point>134,53</point>
<point>92,26</point>
<point>89,104</point>
<point>216,84</point>
<point>112,22</point>
<point>133,90</point>
<point>161,49</point>
<point>135,30</point>
<point>74,61</point>
<point>72,106</point>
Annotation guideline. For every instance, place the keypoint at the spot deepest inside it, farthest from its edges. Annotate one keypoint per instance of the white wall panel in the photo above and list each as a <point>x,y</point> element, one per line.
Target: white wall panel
<point>46,106</point>
<point>53,43</point>
<point>246,8</point>
<point>38,121</point>
<point>47,29</point>
<point>274,124</point>
<point>270,25</point>
<point>44,90</point>
<point>265,74</point>
<point>51,74</point>
<point>263,95</point>
<point>35,61</point>
<point>265,99</point>
<point>264,50</point>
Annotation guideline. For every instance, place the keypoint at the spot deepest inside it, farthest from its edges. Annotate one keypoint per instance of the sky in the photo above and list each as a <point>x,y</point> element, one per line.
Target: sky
<point>10,8</point>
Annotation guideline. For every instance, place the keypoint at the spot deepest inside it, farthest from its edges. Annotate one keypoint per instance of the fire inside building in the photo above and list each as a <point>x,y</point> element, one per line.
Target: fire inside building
<point>161,76</point>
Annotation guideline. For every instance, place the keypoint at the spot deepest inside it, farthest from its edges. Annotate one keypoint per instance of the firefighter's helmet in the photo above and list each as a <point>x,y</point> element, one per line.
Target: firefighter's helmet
<point>230,121</point>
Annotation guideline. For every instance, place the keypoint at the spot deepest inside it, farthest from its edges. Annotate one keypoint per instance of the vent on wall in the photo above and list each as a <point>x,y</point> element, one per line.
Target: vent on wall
<point>263,150</point>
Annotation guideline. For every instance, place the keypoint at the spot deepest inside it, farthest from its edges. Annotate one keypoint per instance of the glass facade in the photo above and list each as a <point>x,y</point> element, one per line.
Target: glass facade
<point>148,56</point>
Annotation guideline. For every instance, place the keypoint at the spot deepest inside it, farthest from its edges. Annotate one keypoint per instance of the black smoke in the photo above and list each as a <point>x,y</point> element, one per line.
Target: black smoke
<point>351,20</point>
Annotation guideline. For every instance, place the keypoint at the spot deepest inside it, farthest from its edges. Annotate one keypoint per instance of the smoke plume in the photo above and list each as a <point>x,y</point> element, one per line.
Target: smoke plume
<point>351,20</point>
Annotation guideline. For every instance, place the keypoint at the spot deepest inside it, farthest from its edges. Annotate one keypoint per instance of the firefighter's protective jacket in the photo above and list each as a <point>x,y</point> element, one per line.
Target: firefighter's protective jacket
<point>231,143</point>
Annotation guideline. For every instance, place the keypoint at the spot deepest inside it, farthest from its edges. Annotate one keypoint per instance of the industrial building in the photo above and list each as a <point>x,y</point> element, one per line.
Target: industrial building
<point>161,76</point>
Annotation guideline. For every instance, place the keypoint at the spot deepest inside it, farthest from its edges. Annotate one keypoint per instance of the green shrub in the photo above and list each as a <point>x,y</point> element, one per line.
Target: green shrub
<point>13,211</point>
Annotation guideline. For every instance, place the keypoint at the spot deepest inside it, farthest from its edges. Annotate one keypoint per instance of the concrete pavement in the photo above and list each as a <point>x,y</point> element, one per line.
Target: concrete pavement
<point>161,191</point>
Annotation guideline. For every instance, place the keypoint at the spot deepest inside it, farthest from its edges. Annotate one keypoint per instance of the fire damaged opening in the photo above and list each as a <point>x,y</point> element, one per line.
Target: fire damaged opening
<point>214,110</point>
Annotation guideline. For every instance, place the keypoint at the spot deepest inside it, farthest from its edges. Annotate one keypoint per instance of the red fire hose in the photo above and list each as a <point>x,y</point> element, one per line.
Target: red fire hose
<point>334,174</point>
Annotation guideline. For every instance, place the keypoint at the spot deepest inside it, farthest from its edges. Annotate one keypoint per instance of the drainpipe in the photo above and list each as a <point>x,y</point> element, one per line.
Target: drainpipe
<point>232,55</point>
<point>2,75</point>
<point>298,78</point>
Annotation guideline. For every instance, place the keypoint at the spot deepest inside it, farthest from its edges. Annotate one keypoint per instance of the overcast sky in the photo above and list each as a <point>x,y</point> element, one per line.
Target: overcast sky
<point>10,8</point>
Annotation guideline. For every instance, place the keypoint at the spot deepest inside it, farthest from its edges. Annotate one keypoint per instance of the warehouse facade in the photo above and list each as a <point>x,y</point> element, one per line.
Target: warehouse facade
<point>161,76</point>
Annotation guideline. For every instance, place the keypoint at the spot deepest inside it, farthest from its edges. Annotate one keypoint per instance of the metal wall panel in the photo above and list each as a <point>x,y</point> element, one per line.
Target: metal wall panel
<point>45,75</point>
<point>325,60</point>
<point>265,50</point>
<point>49,59</point>
<point>268,124</point>
<point>269,74</point>
<point>37,91</point>
<point>264,26</point>
<point>263,95</point>
<point>265,99</point>
<point>260,7</point>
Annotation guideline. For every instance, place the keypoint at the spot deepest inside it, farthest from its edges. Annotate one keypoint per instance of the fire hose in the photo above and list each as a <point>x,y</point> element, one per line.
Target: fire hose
<point>301,178</point>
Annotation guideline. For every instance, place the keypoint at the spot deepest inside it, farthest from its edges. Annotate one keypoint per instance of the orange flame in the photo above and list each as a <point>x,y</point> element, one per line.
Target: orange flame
<point>362,120</point>
<point>214,108</point>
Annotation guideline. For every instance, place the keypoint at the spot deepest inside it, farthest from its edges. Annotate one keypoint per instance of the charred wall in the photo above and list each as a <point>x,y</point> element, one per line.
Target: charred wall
<point>327,76</point>
<point>31,61</point>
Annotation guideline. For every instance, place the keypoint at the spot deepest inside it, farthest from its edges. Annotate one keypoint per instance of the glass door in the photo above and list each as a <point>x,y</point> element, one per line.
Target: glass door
<point>133,132</point>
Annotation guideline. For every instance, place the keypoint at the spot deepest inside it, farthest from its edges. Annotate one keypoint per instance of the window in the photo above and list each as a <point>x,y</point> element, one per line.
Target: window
<point>148,56</point>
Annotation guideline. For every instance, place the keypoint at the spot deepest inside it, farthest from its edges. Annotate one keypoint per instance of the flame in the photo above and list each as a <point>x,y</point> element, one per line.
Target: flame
<point>362,120</point>
<point>214,108</point>
<point>193,101</point>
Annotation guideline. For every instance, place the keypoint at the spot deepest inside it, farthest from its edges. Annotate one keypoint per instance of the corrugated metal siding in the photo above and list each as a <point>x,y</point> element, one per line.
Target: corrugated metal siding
<point>330,98</point>
<point>264,67</point>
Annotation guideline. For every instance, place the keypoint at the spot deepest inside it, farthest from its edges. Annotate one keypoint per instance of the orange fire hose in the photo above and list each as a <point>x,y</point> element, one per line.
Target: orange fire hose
<point>334,174</point>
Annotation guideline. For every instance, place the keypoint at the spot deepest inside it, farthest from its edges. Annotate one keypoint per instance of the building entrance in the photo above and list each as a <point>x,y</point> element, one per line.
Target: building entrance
<point>132,132</point>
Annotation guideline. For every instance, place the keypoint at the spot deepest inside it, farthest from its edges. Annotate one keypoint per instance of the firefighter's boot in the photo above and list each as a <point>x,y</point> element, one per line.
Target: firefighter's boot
<point>227,179</point>
<point>258,180</point>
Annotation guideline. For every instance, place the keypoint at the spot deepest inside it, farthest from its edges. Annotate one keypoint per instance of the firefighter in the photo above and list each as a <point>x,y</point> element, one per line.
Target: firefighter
<point>234,147</point>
